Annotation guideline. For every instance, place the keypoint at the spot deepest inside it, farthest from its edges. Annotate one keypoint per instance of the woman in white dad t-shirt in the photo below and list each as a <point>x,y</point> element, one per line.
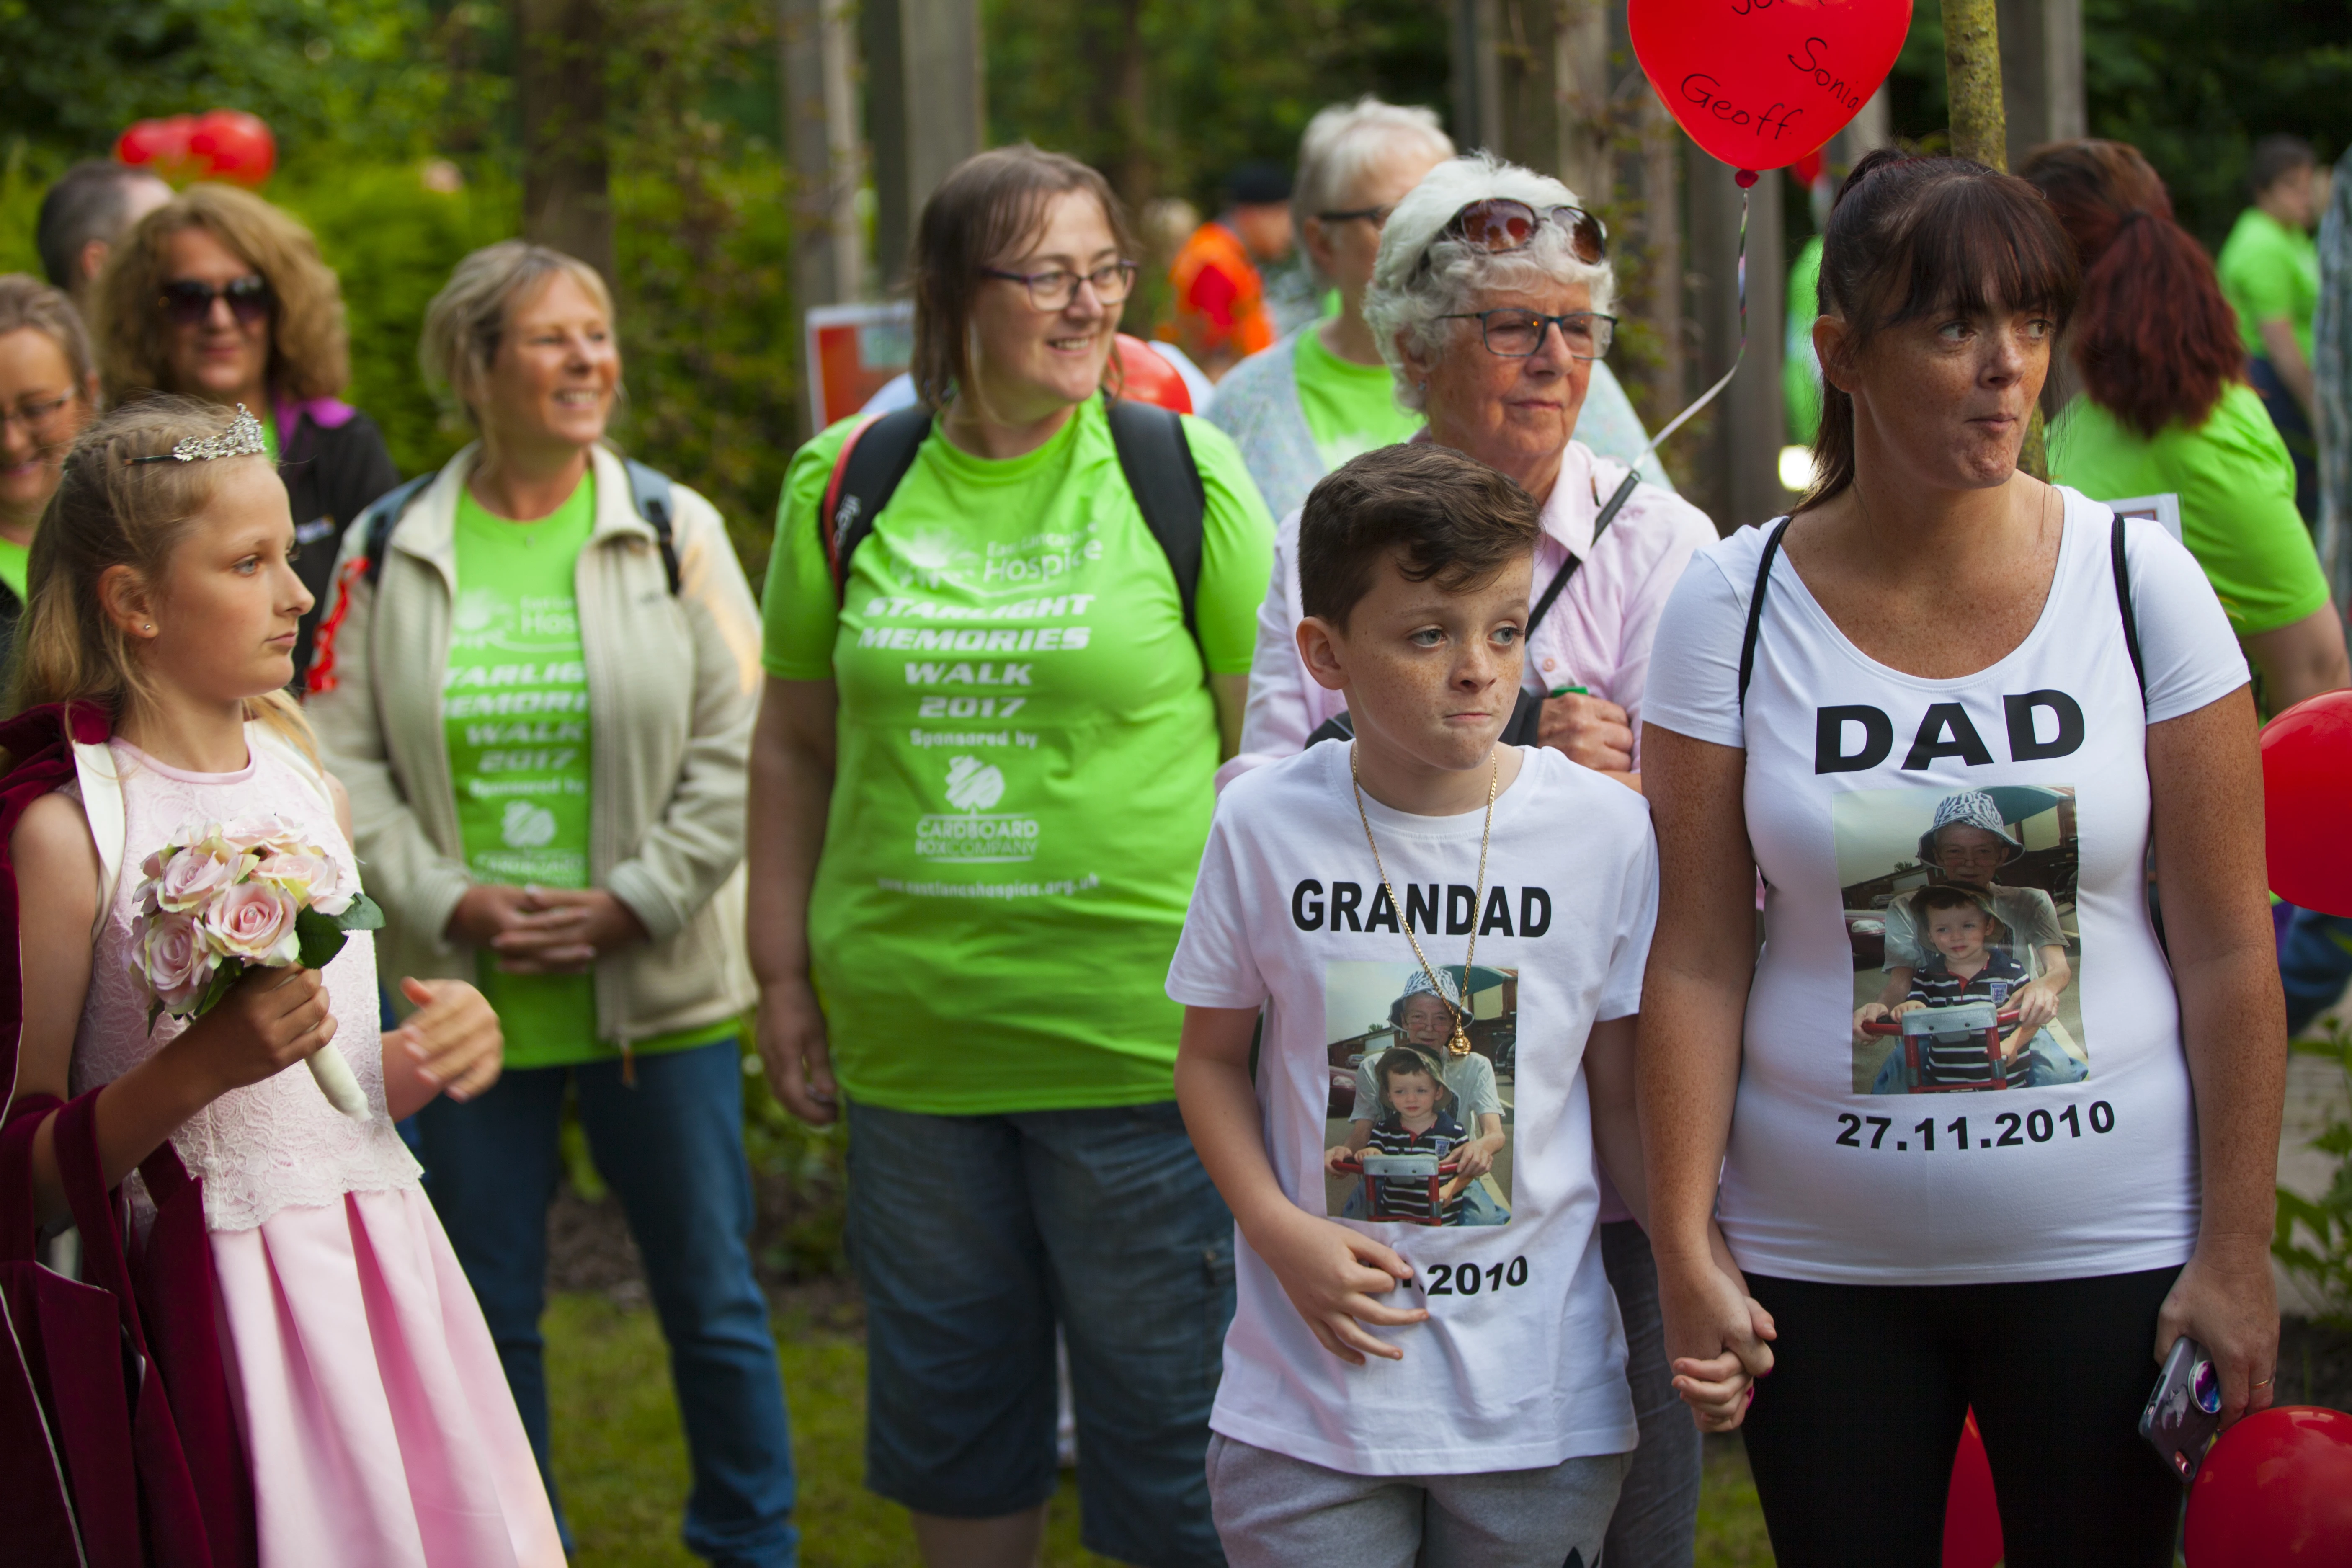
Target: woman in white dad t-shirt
<point>1932,622</point>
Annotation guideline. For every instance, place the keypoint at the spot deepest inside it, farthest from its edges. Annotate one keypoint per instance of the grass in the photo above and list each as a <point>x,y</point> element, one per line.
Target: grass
<point>620,1459</point>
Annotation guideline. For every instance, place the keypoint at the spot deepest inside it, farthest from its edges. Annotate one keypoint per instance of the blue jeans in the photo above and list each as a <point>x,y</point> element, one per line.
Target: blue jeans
<point>971,1237</point>
<point>672,1148</point>
<point>2302,446</point>
<point>2314,962</point>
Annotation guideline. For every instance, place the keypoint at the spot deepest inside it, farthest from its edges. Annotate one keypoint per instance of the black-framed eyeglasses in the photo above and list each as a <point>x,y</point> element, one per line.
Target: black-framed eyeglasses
<point>1501,223</point>
<point>189,300</point>
<point>1377,217</point>
<point>1513,334</point>
<point>38,414</point>
<point>1056,288</point>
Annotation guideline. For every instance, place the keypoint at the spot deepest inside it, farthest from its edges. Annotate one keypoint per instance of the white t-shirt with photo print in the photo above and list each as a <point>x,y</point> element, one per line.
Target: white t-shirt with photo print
<point>1823,1180</point>
<point>1523,1364</point>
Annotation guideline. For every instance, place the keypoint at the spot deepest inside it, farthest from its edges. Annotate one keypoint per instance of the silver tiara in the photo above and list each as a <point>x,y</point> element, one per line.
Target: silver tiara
<point>242,439</point>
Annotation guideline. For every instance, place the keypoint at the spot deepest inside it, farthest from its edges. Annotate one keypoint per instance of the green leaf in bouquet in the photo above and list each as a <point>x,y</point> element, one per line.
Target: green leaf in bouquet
<point>230,972</point>
<point>364,914</point>
<point>321,936</point>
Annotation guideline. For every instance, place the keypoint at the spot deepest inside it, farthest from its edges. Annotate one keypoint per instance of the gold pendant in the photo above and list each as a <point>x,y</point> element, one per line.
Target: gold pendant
<point>1460,1043</point>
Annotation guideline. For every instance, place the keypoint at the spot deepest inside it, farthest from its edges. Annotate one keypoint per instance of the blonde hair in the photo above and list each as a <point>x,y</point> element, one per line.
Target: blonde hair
<point>109,511</point>
<point>27,301</point>
<point>309,353</point>
<point>468,320</point>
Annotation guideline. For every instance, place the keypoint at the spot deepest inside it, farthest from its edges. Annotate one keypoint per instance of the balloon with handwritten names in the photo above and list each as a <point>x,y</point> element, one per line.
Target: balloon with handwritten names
<point>1762,83</point>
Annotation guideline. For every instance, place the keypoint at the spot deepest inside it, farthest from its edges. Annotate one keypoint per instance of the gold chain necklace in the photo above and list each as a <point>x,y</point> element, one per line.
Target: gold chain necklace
<point>1460,1043</point>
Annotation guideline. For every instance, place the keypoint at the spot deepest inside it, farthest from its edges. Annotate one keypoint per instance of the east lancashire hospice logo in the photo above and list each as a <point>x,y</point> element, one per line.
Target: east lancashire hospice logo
<point>974,835</point>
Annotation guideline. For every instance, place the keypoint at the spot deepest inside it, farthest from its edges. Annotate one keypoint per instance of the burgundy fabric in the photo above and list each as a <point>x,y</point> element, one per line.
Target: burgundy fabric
<point>155,1462</point>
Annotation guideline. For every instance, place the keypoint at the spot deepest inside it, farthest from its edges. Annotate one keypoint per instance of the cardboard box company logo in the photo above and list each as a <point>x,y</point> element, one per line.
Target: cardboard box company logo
<point>970,834</point>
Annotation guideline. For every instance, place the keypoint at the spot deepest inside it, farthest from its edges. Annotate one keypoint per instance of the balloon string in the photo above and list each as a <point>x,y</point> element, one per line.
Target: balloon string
<point>1740,267</point>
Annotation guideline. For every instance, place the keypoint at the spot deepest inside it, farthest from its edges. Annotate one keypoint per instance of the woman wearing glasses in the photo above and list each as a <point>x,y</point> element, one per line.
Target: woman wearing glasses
<point>1323,395</point>
<point>981,783</point>
<point>219,295</point>
<point>48,393</point>
<point>1489,301</point>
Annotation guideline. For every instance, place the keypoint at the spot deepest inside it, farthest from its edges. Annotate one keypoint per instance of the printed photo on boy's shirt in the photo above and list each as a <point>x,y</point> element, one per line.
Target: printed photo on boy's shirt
<point>1418,1132</point>
<point>1968,949</point>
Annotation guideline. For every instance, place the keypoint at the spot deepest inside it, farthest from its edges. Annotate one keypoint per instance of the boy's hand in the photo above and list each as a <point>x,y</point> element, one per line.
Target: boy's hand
<point>1868,1013</point>
<point>1331,1273</point>
<point>1902,1007</point>
<point>453,1040</point>
<point>1337,1155</point>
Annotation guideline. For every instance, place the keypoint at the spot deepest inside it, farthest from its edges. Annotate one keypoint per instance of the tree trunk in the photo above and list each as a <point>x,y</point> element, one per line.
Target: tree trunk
<point>560,85</point>
<point>1980,131</point>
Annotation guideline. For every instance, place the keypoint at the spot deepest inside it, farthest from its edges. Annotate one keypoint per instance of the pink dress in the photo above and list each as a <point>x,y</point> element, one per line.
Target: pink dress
<point>375,1416</point>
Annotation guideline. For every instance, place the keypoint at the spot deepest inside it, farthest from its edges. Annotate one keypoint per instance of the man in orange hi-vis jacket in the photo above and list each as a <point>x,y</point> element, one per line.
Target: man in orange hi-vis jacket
<point>1221,314</point>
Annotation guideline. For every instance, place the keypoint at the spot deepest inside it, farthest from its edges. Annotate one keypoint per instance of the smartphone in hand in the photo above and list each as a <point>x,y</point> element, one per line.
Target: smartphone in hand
<point>2184,1410</point>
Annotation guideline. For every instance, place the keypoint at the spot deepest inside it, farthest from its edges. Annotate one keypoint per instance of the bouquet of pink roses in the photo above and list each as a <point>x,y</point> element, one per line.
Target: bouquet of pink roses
<point>226,897</point>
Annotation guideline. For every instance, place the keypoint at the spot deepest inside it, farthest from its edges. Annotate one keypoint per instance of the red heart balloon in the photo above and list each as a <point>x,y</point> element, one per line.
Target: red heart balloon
<point>2306,783</point>
<point>1761,83</point>
<point>158,145</point>
<point>1145,377</point>
<point>230,144</point>
<point>2275,1492</point>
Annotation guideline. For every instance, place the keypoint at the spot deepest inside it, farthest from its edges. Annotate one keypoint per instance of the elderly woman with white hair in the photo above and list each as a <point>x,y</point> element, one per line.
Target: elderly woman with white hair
<point>537,679</point>
<point>1489,300</point>
<point>1323,395</point>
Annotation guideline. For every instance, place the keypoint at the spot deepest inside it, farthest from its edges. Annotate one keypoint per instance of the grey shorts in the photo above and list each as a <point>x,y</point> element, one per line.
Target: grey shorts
<point>1274,1511</point>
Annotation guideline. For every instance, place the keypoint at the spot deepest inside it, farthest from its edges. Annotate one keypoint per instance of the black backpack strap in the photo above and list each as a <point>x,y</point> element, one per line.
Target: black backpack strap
<point>649,492</point>
<point>1616,503</point>
<point>1339,727</point>
<point>2124,604</point>
<point>1158,462</point>
<point>1756,608</point>
<point>376,524</point>
<point>865,476</point>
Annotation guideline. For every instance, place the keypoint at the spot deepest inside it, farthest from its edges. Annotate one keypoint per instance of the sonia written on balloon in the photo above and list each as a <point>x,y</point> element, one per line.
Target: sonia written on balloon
<point>1762,83</point>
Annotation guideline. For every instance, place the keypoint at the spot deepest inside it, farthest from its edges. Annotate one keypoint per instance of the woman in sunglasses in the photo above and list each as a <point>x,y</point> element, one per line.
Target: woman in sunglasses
<point>1488,301</point>
<point>219,295</point>
<point>48,393</point>
<point>1323,395</point>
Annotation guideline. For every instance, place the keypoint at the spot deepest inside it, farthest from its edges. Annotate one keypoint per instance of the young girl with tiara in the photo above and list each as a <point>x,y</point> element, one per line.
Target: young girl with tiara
<point>367,1397</point>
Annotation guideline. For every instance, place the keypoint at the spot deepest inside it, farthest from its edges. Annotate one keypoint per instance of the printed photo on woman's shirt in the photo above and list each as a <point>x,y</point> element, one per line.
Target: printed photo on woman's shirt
<point>1968,950</point>
<point>1420,1128</point>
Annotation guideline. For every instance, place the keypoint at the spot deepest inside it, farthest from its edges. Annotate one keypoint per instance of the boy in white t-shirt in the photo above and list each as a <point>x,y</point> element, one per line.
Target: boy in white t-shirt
<point>1396,1392</point>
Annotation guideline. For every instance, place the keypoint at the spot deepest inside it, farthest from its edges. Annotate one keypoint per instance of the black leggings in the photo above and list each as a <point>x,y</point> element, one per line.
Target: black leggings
<point>1851,1434</point>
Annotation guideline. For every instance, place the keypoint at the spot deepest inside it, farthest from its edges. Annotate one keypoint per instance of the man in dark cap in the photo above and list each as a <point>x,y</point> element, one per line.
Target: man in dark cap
<point>1221,315</point>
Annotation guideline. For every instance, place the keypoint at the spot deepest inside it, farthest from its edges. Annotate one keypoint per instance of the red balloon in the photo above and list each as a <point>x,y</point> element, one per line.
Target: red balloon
<point>1148,378</point>
<point>2274,1491</point>
<point>2306,787</point>
<point>1761,83</point>
<point>230,144</point>
<point>158,145</point>
<point>1807,169</point>
<point>1972,1511</point>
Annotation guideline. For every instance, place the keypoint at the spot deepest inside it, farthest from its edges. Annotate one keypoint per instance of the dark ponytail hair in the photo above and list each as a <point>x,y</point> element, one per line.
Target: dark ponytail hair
<point>2156,341</point>
<point>1910,237</point>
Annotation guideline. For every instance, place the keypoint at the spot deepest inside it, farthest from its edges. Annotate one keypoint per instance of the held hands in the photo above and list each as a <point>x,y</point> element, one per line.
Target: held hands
<point>2225,1299</point>
<point>795,1049</point>
<point>1590,730</point>
<point>1331,1275</point>
<point>544,930</point>
<point>271,1019</point>
<point>451,1045</point>
<point>1718,1335</point>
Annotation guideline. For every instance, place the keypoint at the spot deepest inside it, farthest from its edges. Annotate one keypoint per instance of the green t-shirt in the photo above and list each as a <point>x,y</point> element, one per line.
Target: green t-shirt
<point>1351,409</point>
<point>515,705</point>
<point>2270,271</point>
<point>269,418</point>
<point>2236,487</point>
<point>14,560</point>
<point>1026,745</point>
<point>1801,368</point>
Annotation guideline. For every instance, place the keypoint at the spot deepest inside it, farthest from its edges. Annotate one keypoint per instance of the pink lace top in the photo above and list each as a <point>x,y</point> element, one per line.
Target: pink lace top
<point>278,1143</point>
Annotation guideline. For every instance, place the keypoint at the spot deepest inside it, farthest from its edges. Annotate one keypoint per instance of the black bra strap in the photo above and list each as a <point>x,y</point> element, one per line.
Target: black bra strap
<point>1756,609</point>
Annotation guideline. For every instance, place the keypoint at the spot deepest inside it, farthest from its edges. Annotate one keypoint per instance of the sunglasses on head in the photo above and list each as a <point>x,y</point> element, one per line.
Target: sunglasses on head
<point>189,300</point>
<point>1500,223</point>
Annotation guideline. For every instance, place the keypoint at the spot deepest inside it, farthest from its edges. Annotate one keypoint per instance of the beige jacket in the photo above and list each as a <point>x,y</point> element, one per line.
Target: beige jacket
<point>673,685</point>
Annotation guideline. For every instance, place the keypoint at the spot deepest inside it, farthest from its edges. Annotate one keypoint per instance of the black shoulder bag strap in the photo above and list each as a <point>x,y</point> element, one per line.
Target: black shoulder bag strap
<point>2124,604</point>
<point>1616,503</point>
<point>1756,608</point>
<point>878,458</point>
<point>376,523</point>
<point>1165,482</point>
<point>649,492</point>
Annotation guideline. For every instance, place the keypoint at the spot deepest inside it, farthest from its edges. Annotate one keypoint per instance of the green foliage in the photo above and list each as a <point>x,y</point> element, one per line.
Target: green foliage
<point>811,1160</point>
<point>2314,1234</point>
